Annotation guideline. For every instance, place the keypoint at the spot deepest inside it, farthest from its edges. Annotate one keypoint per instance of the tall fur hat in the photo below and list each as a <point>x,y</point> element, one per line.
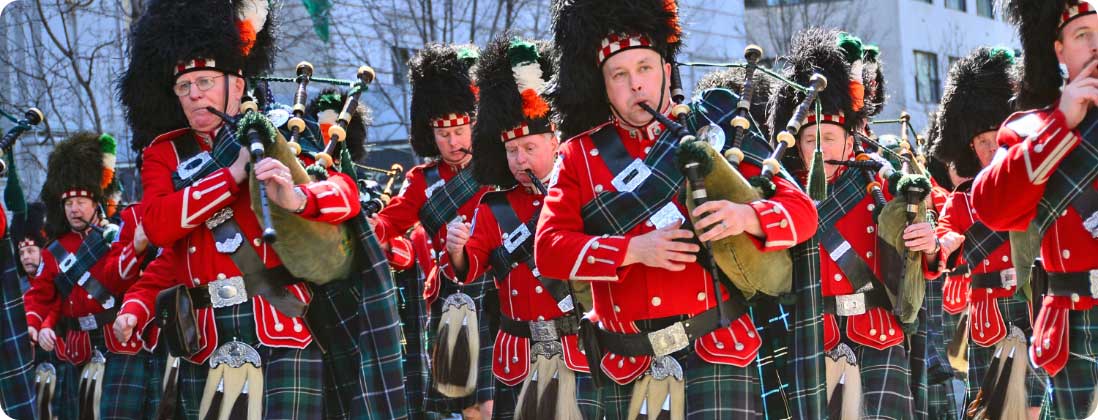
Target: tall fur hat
<point>443,93</point>
<point>814,50</point>
<point>80,166</point>
<point>173,37</point>
<point>976,100</point>
<point>1039,23</point>
<point>586,33</point>
<point>331,99</point>
<point>873,74</point>
<point>28,229</point>
<point>512,75</point>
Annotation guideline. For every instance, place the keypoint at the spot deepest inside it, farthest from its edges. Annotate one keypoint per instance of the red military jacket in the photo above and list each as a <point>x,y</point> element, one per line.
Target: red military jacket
<point>45,306</point>
<point>1005,196</point>
<point>521,295</point>
<point>403,212</point>
<point>637,292</point>
<point>175,219</point>
<point>877,327</point>
<point>958,216</point>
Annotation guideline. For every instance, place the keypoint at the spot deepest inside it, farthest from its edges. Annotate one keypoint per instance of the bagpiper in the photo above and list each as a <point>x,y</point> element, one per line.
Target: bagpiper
<point>674,341</point>
<point>865,341</point>
<point>233,310</point>
<point>1042,186</point>
<point>436,194</point>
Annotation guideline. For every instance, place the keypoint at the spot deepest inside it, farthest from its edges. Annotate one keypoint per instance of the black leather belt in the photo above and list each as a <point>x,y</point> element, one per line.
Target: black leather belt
<point>88,322</point>
<point>994,280</point>
<point>676,333</point>
<point>857,303</point>
<point>549,330</point>
<point>278,277</point>
<point>1083,283</point>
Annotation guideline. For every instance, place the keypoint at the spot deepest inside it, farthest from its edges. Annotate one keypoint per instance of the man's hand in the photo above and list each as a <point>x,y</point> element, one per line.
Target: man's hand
<point>47,338</point>
<point>457,235</point>
<point>33,333</point>
<point>951,242</point>
<point>1080,95</point>
<point>280,186</point>
<point>123,327</point>
<point>240,165</point>
<point>725,219</point>
<point>920,237</point>
<point>659,249</point>
<point>140,241</point>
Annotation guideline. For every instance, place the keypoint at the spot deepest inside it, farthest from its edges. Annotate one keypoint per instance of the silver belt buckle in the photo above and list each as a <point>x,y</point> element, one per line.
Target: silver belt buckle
<point>632,176</point>
<point>515,238</point>
<point>1009,277</point>
<point>87,323</point>
<point>227,292</point>
<point>668,340</point>
<point>220,217</point>
<point>543,331</point>
<point>850,305</point>
<point>667,216</point>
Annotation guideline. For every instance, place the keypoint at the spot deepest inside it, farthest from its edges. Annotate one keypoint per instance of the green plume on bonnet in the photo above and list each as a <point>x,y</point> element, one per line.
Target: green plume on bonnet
<point>1004,51</point>
<point>522,52</point>
<point>851,46</point>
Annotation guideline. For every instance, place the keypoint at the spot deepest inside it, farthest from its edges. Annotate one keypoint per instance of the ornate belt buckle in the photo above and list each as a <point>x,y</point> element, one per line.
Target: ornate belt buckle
<point>227,292</point>
<point>850,305</point>
<point>543,331</point>
<point>632,176</point>
<point>218,218</point>
<point>1091,225</point>
<point>667,216</point>
<point>1093,283</point>
<point>87,323</point>
<point>1009,278</point>
<point>668,340</point>
<point>235,354</point>
<point>515,238</point>
<point>546,349</point>
<point>191,166</point>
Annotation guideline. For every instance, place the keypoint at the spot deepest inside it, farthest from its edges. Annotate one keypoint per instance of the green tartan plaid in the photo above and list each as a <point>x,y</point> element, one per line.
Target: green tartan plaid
<point>1073,175</point>
<point>809,394</point>
<point>886,386</point>
<point>293,379</point>
<point>64,404</point>
<point>413,318</point>
<point>1073,388</point>
<point>16,354</point>
<point>918,363</point>
<point>443,205</point>
<point>485,380</point>
<point>942,397</point>
<point>506,398</point>
<point>1016,313</point>
<point>131,386</point>
<point>713,391</point>
<point>981,241</point>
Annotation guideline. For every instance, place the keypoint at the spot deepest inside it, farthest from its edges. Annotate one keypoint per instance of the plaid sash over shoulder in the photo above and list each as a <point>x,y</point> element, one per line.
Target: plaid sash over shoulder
<point>617,212</point>
<point>443,205</point>
<point>1072,177</point>
<point>980,241</point>
<point>17,395</point>
<point>73,267</point>
<point>194,164</point>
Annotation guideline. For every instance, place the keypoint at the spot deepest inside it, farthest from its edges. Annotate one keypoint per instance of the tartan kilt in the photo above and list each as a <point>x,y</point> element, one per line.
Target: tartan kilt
<point>293,379</point>
<point>886,386</point>
<point>1073,388</point>
<point>413,319</point>
<point>506,398</point>
<point>808,398</point>
<point>484,286</point>
<point>17,395</point>
<point>64,404</point>
<point>131,386</point>
<point>918,365</point>
<point>713,391</point>
<point>1015,312</point>
<point>942,396</point>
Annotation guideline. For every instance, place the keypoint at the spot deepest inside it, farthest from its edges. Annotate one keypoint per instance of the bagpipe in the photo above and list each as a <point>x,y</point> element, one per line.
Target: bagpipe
<point>31,118</point>
<point>298,239</point>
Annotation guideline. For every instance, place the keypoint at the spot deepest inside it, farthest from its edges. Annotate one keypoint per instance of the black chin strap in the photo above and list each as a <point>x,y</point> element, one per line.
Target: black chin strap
<point>663,88</point>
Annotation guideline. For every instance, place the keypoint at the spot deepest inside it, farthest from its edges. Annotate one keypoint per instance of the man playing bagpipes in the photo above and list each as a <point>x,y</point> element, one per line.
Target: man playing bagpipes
<point>436,194</point>
<point>235,305</point>
<point>78,288</point>
<point>981,277</point>
<point>859,325</point>
<point>536,358</point>
<point>670,343</point>
<point>1043,181</point>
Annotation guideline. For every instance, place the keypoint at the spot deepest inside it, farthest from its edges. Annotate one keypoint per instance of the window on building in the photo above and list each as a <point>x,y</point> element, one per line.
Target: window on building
<point>985,8</point>
<point>927,83</point>
<point>956,4</point>
<point>400,56</point>
<point>926,1</point>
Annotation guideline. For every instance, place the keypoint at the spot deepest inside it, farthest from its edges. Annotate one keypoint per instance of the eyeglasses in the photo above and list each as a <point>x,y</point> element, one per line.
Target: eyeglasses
<point>203,84</point>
